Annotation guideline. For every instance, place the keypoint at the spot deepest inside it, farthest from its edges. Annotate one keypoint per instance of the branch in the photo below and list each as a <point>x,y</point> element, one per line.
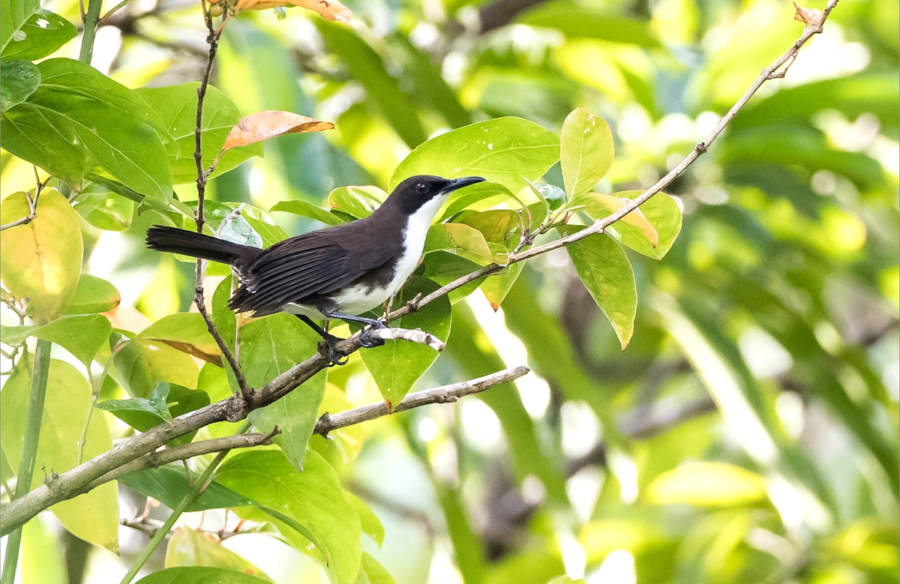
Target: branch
<point>439,395</point>
<point>202,178</point>
<point>162,457</point>
<point>32,205</point>
<point>413,336</point>
<point>237,407</point>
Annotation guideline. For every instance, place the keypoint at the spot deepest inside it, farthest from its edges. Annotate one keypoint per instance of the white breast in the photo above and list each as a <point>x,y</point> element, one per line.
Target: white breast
<point>359,299</point>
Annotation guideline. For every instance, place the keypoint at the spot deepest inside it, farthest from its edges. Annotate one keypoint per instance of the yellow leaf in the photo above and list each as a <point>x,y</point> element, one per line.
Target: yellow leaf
<point>41,260</point>
<point>599,205</point>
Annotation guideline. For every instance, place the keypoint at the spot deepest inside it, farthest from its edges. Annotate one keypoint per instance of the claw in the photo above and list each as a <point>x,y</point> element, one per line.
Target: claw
<point>335,357</point>
<point>366,340</point>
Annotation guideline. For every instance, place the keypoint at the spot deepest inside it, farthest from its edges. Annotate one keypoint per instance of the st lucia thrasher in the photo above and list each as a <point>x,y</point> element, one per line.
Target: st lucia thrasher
<point>336,272</point>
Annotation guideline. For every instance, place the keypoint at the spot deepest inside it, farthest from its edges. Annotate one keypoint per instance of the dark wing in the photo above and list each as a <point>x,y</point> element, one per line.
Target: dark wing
<point>309,265</point>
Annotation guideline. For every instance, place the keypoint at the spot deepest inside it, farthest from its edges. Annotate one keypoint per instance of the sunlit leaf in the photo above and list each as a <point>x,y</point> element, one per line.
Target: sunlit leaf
<point>504,150</point>
<point>587,151</point>
<point>186,332</point>
<point>199,575</point>
<point>189,547</point>
<point>80,335</point>
<point>370,523</point>
<point>92,295</point>
<point>142,363</point>
<point>271,346</point>
<point>358,202</point>
<point>398,364</point>
<point>330,10</point>
<point>104,209</point>
<point>313,498</point>
<point>605,271</point>
<point>587,22</point>
<point>41,261</point>
<point>375,572</point>
<point>461,240</point>
<point>94,516</point>
<point>176,106</point>
<point>707,484</point>
<point>37,37</point>
<point>633,225</point>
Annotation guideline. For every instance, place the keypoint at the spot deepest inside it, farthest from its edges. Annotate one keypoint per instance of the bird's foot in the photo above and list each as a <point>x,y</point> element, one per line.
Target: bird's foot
<point>367,340</point>
<point>328,347</point>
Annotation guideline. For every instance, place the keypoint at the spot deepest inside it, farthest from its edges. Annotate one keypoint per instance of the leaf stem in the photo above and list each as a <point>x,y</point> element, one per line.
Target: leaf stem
<point>29,449</point>
<point>160,535</point>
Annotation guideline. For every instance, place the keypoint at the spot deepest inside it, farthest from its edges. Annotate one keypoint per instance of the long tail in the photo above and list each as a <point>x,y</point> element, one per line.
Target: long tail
<point>197,245</point>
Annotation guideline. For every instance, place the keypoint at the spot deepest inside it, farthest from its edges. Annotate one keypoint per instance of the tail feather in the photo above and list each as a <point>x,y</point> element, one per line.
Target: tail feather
<point>197,245</point>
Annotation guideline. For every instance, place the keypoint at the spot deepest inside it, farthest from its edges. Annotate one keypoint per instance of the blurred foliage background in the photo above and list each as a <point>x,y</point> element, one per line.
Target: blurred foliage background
<point>748,434</point>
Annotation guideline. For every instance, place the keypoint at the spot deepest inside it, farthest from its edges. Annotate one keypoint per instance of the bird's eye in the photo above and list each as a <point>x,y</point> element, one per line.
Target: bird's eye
<point>421,188</point>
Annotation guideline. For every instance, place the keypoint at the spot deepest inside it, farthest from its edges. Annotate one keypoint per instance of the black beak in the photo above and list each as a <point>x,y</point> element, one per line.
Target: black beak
<point>458,183</point>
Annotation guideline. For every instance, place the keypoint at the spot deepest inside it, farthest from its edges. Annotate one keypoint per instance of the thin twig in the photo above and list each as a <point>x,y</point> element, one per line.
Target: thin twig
<point>32,204</point>
<point>199,296</point>
<point>74,482</point>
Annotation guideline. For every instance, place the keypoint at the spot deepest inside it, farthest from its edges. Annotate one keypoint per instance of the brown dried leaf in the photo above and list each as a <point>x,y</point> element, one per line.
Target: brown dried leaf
<point>328,9</point>
<point>807,15</point>
<point>269,124</point>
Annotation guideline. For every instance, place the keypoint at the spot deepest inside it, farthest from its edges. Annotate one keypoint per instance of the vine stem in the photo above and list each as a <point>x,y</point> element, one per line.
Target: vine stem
<point>29,449</point>
<point>185,502</point>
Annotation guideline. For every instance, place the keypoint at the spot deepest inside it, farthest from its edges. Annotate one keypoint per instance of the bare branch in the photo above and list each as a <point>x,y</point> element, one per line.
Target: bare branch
<point>413,336</point>
<point>438,395</point>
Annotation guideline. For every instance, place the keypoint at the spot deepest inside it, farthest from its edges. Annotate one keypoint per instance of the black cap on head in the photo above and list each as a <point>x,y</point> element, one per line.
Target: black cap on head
<point>417,190</point>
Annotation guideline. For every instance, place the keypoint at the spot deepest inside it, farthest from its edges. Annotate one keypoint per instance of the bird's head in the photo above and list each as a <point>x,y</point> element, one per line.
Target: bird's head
<point>424,194</point>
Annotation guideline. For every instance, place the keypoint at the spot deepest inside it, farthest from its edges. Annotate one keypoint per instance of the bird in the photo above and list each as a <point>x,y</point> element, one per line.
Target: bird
<point>338,272</point>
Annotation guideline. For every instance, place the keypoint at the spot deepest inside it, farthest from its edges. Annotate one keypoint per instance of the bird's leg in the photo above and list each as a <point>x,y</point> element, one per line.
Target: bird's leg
<point>365,339</point>
<point>335,356</point>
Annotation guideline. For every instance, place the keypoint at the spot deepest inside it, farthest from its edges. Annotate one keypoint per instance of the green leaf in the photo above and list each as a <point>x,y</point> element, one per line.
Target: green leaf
<point>398,364</point>
<point>41,261</point>
<point>187,332</point>
<point>80,335</point>
<point>141,363</point>
<point>664,215</point>
<point>169,484</point>
<point>480,197</point>
<point>95,118</point>
<point>189,547</point>
<point>200,575</point>
<point>634,225</point>
<point>40,36</point>
<point>504,150</point>
<point>271,346</point>
<point>18,80</point>
<point>104,209</point>
<point>42,557</point>
<point>460,240</point>
<point>605,271</point>
<point>341,446</point>
<point>313,498</point>
<point>577,22</point>
<point>94,516</point>
<point>92,295</point>
<point>505,228</point>
<point>305,209</point>
<point>166,402</point>
<point>367,67</point>
<point>587,151</point>
<point>14,14</point>
<point>375,571</point>
<point>176,105</point>
<point>358,202</point>
<point>368,521</point>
